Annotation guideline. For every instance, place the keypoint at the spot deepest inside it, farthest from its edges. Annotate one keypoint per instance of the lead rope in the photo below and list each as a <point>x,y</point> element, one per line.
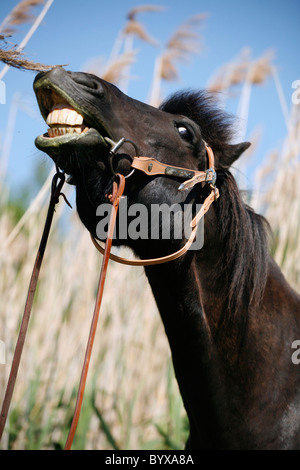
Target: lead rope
<point>118,189</point>
<point>57,184</point>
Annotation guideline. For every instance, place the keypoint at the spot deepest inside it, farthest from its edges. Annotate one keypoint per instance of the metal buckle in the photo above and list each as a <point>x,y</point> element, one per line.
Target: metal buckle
<point>115,147</point>
<point>212,180</point>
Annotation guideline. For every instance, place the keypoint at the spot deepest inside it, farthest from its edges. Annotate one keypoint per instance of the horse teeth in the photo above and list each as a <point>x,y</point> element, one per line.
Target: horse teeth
<point>64,115</point>
<point>58,131</point>
<point>63,119</point>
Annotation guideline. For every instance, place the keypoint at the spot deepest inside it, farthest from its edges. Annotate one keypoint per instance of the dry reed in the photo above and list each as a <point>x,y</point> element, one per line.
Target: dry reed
<point>136,28</point>
<point>13,56</point>
<point>277,193</point>
<point>20,14</point>
<point>117,68</point>
<point>183,43</point>
<point>113,71</point>
<point>129,328</point>
<point>242,70</point>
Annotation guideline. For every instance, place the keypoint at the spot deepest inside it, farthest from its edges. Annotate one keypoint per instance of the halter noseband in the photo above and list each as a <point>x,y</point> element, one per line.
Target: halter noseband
<point>152,167</point>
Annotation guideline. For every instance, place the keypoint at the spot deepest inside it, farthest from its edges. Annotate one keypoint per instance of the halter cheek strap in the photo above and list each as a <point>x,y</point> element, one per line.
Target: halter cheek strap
<point>152,167</point>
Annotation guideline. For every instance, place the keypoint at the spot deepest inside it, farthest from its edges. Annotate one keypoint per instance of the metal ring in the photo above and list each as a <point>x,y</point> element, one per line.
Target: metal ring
<point>113,151</point>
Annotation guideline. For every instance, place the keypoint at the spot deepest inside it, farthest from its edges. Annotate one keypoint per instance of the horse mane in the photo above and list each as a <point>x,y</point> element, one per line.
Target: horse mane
<point>245,254</point>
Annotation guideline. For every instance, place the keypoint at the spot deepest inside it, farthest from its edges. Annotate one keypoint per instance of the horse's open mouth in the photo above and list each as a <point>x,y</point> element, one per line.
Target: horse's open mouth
<point>64,119</point>
<point>70,128</point>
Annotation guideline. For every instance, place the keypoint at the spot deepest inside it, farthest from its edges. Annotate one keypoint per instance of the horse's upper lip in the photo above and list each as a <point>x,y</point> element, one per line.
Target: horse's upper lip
<point>62,113</point>
<point>73,130</point>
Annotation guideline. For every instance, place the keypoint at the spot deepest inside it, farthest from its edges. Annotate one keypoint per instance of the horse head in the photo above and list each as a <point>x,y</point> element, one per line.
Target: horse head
<point>86,115</point>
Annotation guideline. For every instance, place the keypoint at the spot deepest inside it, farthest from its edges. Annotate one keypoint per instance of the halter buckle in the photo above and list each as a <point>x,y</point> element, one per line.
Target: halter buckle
<point>211,176</point>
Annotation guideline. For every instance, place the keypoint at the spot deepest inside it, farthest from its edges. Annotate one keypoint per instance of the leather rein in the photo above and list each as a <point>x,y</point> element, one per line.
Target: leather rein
<point>151,167</point>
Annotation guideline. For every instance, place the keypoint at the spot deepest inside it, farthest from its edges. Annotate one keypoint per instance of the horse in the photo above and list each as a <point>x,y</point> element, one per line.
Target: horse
<point>229,314</point>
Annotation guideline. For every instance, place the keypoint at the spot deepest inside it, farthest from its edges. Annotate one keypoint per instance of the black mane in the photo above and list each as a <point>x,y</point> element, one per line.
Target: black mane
<point>244,233</point>
<point>245,255</point>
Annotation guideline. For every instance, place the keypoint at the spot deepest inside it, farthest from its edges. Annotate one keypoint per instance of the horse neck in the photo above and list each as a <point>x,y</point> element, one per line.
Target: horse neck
<point>216,312</point>
<point>189,299</point>
<point>192,301</point>
<point>178,293</point>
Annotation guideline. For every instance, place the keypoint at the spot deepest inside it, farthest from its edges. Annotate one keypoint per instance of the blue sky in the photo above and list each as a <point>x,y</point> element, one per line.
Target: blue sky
<point>75,31</point>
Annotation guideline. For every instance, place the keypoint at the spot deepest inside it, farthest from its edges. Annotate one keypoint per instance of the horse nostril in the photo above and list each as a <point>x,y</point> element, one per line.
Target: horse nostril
<point>86,80</point>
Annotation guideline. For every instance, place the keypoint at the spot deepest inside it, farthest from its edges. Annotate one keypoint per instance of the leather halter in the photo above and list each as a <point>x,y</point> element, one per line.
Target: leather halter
<point>152,167</point>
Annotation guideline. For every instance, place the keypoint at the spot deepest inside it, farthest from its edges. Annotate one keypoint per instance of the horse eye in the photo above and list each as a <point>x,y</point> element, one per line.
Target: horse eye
<point>185,133</point>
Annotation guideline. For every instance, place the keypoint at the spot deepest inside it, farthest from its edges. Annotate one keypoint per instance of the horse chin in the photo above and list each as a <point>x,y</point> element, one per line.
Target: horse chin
<point>71,151</point>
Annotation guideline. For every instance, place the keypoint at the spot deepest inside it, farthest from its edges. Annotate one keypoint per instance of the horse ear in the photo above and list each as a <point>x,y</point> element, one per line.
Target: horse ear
<point>231,153</point>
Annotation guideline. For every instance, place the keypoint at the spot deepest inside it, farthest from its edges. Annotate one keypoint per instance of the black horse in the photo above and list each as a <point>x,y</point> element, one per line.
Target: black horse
<point>229,314</point>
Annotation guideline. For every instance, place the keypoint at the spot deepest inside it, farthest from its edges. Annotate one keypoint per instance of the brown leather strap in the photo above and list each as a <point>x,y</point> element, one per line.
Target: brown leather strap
<point>56,187</point>
<point>150,261</point>
<point>118,188</point>
<point>152,167</point>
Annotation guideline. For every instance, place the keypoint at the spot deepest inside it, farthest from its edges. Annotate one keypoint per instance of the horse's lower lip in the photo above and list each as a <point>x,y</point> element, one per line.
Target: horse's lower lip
<point>90,137</point>
<point>71,151</point>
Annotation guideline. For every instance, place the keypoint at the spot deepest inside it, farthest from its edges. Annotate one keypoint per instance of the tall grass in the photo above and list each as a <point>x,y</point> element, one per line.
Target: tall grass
<point>132,400</point>
<point>129,385</point>
<point>278,195</point>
